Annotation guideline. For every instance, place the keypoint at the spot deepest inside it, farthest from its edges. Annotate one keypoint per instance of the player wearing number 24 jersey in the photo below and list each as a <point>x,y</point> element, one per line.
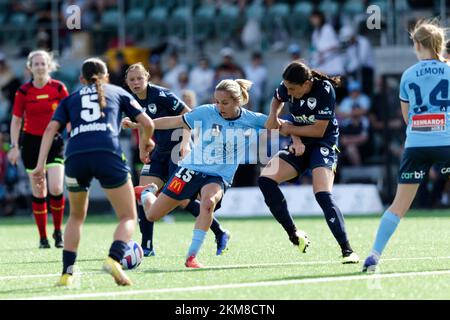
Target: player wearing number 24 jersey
<point>425,101</point>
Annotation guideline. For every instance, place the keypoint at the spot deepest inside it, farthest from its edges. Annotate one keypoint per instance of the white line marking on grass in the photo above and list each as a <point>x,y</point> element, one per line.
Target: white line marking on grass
<point>243,285</point>
<point>230,266</point>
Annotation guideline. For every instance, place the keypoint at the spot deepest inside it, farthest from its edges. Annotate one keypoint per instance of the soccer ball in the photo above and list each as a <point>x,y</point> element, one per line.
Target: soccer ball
<point>133,256</point>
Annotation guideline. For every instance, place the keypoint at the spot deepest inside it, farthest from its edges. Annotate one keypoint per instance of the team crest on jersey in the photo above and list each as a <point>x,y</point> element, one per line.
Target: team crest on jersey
<point>152,108</point>
<point>324,151</point>
<point>312,103</point>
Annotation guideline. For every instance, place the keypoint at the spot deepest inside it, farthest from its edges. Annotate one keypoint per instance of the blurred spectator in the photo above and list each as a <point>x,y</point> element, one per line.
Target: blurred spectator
<point>7,181</point>
<point>117,70</point>
<point>385,109</point>
<point>359,58</point>
<point>228,68</point>
<point>294,52</point>
<point>326,55</point>
<point>354,124</point>
<point>447,50</point>
<point>189,97</point>
<point>9,84</point>
<point>155,70</point>
<point>431,193</point>
<point>256,72</point>
<point>171,75</point>
<point>201,80</point>
<point>181,84</point>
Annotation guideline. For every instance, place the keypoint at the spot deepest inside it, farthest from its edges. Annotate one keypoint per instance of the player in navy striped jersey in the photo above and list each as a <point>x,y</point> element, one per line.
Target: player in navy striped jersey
<point>93,151</point>
<point>314,130</point>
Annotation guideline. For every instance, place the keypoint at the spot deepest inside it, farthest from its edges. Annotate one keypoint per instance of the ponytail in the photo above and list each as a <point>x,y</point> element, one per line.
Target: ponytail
<point>298,72</point>
<point>335,81</point>
<point>100,91</point>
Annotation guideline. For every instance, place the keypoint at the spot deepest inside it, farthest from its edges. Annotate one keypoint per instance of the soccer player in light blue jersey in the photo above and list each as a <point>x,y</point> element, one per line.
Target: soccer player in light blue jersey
<point>425,101</point>
<point>226,131</point>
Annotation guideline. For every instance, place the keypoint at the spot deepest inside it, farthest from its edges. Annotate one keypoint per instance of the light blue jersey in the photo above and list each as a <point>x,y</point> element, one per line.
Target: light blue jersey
<point>425,86</point>
<point>223,143</point>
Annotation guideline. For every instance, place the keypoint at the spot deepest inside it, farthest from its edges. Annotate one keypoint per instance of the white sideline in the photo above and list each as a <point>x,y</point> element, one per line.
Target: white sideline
<point>300,263</point>
<point>243,285</point>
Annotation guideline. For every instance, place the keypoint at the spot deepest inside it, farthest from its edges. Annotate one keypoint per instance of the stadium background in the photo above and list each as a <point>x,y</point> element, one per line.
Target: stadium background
<point>171,37</point>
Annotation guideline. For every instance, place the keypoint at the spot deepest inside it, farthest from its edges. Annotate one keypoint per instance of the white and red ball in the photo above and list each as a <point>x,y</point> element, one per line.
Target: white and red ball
<point>133,256</point>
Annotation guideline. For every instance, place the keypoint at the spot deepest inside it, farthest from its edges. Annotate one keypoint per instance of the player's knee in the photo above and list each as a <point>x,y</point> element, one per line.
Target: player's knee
<point>208,204</point>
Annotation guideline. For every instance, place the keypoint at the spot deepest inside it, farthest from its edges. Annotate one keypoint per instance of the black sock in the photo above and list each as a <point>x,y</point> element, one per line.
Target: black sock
<point>276,202</point>
<point>194,208</point>
<point>117,250</point>
<point>146,228</point>
<point>69,258</point>
<point>334,218</point>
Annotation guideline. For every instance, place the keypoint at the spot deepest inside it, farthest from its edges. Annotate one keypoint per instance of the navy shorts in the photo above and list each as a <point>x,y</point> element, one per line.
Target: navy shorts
<point>187,184</point>
<point>161,166</point>
<point>315,156</point>
<point>108,168</point>
<point>417,161</point>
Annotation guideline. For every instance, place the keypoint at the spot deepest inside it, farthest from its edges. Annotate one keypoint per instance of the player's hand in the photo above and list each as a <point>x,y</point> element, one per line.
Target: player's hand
<point>185,148</point>
<point>128,124</point>
<point>297,148</point>
<point>285,129</point>
<point>272,123</point>
<point>144,151</point>
<point>38,176</point>
<point>13,155</point>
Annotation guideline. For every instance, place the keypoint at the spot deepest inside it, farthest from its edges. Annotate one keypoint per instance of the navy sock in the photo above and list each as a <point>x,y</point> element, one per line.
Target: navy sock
<point>69,258</point>
<point>117,250</point>
<point>194,208</point>
<point>146,228</point>
<point>276,202</point>
<point>334,218</point>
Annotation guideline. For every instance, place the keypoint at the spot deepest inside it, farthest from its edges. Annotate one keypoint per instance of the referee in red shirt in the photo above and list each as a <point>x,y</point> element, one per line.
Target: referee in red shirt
<point>34,105</point>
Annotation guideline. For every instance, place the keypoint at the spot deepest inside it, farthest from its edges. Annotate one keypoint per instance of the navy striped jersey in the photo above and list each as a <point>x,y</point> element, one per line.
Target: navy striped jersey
<point>318,104</point>
<point>161,102</point>
<point>94,129</point>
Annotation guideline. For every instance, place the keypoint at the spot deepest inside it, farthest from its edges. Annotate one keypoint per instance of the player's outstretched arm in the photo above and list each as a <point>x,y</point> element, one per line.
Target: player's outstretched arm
<point>166,123</point>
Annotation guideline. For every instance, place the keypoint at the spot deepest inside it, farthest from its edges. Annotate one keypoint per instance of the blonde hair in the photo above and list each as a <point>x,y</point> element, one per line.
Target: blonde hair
<point>238,89</point>
<point>48,56</point>
<point>430,35</point>
<point>138,66</point>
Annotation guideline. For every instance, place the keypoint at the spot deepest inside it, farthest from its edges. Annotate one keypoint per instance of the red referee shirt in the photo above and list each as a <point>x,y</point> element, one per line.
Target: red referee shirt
<point>37,105</point>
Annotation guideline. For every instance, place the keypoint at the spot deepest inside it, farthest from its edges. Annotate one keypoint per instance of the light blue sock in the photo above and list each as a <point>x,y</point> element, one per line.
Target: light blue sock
<point>197,240</point>
<point>388,224</point>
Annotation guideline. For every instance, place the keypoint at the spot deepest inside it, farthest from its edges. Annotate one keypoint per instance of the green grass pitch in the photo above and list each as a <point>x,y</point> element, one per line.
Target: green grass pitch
<point>260,263</point>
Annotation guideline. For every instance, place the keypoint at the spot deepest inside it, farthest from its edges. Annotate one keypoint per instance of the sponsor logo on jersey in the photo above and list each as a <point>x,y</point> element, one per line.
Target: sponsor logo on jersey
<point>176,185</point>
<point>42,96</point>
<point>312,103</point>
<point>152,108</point>
<point>445,170</point>
<point>428,122</point>
<point>303,119</point>
<point>413,175</point>
<point>326,112</point>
